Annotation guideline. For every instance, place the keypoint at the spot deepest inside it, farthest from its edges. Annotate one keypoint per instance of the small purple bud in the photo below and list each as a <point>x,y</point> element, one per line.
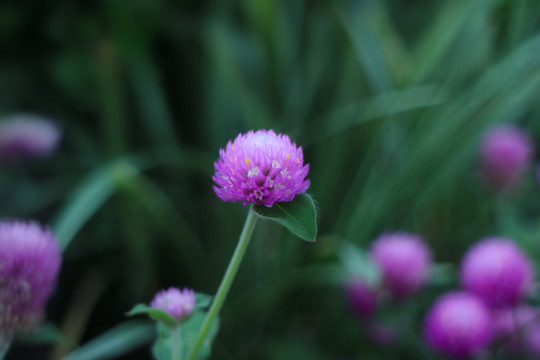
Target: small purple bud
<point>458,325</point>
<point>261,168</point>
<point>177,303</point>
<point>29,264</point>
<point>505,153</point>
<point>24,136</point>
<point>497,271</point>
<point>404,260</point>
<point>361,298</point>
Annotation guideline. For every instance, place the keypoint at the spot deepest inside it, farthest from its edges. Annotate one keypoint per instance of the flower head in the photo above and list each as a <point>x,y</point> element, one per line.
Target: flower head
<point>404,260</point>
<point>497,271</point>
<point>29,264</point>
<point>361,298</point>
<point>260,168</point>
<point>458,325</point>
<point>505,153</point>
<point>23,136</point>
<point>177,303</point>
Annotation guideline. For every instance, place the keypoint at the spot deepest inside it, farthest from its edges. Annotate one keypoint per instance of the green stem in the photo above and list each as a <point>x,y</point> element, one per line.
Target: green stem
<point>176,343</point>
<point>225,285</point>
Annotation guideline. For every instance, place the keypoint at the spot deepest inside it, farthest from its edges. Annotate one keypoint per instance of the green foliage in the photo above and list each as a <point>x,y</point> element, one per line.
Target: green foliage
<point>115,342</point>
<point>298,216</point>
<point>387,98</point>
<point>187,335</point>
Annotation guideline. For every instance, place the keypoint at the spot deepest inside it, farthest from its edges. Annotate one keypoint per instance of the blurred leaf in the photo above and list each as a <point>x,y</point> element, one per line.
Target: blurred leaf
<point>203,301</point>
<point>442,274</point>
<point>88,197</point>
<point>359,264</point>
<point>156,314</point>
<point>47,333</point>
<point>115,342</point>
<point>299,216</point>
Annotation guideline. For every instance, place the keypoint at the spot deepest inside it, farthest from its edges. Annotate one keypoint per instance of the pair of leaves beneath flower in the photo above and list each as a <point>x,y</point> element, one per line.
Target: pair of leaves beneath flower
<point>188,329</point>
<point>187,336</point>
<point>299,216</point>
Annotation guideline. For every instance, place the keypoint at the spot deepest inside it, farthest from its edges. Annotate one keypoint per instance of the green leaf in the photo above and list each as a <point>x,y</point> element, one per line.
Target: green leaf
<point>46,334</point>
<point>89,197</point>
<point>188,334</point>
<point>359,264</point>
<point>299,216</point>
<point>203,301</point>
<point>115,342</point>
<point>156,314</point>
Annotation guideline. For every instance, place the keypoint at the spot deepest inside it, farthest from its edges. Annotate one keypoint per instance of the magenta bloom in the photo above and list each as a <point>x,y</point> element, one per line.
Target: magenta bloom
<point>497,271</point>
<point>361,298</point>
<point>505,153</point>
<point>458,325</point>
<point>29,264</point>
<point>177,303</point>
<point>404,260</point>
<point>261,168</point>
<point>23,136</point>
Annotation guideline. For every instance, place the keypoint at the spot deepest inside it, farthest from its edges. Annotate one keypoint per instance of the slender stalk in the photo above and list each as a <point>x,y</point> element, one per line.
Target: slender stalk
<point>4,348</point>
<point>226,282</point>
<point>176,343</point>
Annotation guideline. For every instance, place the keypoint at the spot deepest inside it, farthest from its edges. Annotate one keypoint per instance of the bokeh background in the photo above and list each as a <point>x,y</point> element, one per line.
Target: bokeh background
<point>387,98</point>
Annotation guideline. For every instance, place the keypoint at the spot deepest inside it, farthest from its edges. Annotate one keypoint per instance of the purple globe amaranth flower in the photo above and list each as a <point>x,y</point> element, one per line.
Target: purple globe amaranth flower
<point>25,135</point>
<point>458,324</point>
<point>505,153</point>
<point>514,326</point>
<point>177,303</point>
<point>361,298</point>
<point>261,168</point>
<point>404,260</point>
<point>29,264</point>
<point>497,271</point>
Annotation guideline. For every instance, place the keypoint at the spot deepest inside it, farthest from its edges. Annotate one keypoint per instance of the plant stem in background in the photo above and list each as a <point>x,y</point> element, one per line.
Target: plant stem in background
<point>225,285</point>
<point>176,343</point>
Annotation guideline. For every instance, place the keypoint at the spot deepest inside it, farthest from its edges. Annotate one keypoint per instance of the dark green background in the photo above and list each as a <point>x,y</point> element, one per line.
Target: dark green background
<point>387,98</point>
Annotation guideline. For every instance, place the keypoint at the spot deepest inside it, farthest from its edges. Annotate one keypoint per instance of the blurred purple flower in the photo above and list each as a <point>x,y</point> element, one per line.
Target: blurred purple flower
<point>24,136</point>
<point>177,303</point>
<point>29,264</point>
<point>505,153</point>
<point>404,260</point>
<point>361,298</point>
<point>458,325</point>
<point>513,326</point>
<point>497,271</point>
<point>260,168</point>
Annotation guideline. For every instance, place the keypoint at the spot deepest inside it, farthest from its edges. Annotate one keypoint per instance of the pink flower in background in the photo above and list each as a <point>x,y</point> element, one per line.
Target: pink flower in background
<point>29,264</point>
<point>458,325</point>
<point>260,168</point>
<point>505,154</point>
<point>24,136</point>
<point>404,260</point>
<point>361,298</point>
<point>497,271</point>
<point>177,303</point>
